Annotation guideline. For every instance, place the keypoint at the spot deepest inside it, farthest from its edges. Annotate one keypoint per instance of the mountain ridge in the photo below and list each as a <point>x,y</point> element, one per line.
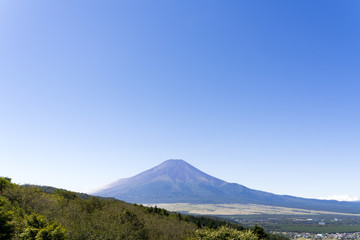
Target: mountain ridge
<point>176,181</point>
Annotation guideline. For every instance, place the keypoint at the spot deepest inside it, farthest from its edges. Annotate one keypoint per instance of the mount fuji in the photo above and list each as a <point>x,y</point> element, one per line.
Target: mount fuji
<point>176,181</point>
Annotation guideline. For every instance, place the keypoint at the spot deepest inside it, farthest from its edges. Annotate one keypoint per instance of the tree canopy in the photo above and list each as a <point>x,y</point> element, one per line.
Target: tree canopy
<point>44,213</point>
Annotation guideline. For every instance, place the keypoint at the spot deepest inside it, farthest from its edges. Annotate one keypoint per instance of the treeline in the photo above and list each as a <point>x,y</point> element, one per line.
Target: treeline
<point>45,213</point>
<point>200,221</point>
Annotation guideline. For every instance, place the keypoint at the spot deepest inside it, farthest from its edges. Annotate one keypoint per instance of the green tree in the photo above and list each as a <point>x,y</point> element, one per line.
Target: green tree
<point>51,232</point>
<point>66,194</point>
<point>260,232</point>
<point>38,229</point>
<point>133,227</point>
<point>223,233</point>
<point>4,183</point>
<point>6,228</point>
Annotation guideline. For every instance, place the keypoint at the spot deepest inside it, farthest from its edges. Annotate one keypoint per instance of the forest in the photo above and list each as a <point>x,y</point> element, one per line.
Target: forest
<point>44,213</point>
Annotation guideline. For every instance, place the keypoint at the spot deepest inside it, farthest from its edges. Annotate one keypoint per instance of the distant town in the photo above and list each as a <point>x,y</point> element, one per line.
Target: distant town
<point>304,235</point>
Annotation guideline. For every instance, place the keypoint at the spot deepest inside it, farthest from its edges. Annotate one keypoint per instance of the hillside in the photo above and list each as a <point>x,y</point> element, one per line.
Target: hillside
<point>176,181</point>
<point>45,213</point>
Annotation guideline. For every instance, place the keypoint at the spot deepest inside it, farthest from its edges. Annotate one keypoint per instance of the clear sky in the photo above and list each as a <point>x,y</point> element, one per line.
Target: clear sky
<point>261,93</point>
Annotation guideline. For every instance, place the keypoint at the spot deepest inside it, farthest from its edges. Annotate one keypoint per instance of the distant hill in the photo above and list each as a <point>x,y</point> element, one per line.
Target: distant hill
<point>176,181</point>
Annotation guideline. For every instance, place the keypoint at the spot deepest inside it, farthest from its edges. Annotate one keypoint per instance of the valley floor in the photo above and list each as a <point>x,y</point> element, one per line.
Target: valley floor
<point>240,209</point>
<point>276,219</point>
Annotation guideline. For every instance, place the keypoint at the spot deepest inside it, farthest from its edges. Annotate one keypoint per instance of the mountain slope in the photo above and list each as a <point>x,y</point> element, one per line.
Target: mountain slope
<point>176,181</point>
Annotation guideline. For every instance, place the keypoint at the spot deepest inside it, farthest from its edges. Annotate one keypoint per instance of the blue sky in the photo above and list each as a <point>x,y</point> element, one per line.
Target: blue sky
<point>261,93</point>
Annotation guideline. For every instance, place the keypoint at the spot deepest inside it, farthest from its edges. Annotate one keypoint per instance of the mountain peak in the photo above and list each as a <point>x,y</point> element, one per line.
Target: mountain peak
<point>176,181</point>
<point>174,163</point>
<point>171,179</point>
<point>178,170</point>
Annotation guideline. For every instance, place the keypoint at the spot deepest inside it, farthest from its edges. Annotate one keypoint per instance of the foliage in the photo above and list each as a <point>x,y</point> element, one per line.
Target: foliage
<point>6,228</point>
<point>44,213</point>
<point>66,215</point>
<point>206,222</point>
<point>260,232</point>
<point>4,182</point>
<point>51,232</point>
<point>224,233</point>
<point>38,229</point>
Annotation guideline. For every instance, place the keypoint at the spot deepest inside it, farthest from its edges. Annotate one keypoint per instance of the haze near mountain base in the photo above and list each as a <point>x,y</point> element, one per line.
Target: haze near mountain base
<point>176,181</point>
